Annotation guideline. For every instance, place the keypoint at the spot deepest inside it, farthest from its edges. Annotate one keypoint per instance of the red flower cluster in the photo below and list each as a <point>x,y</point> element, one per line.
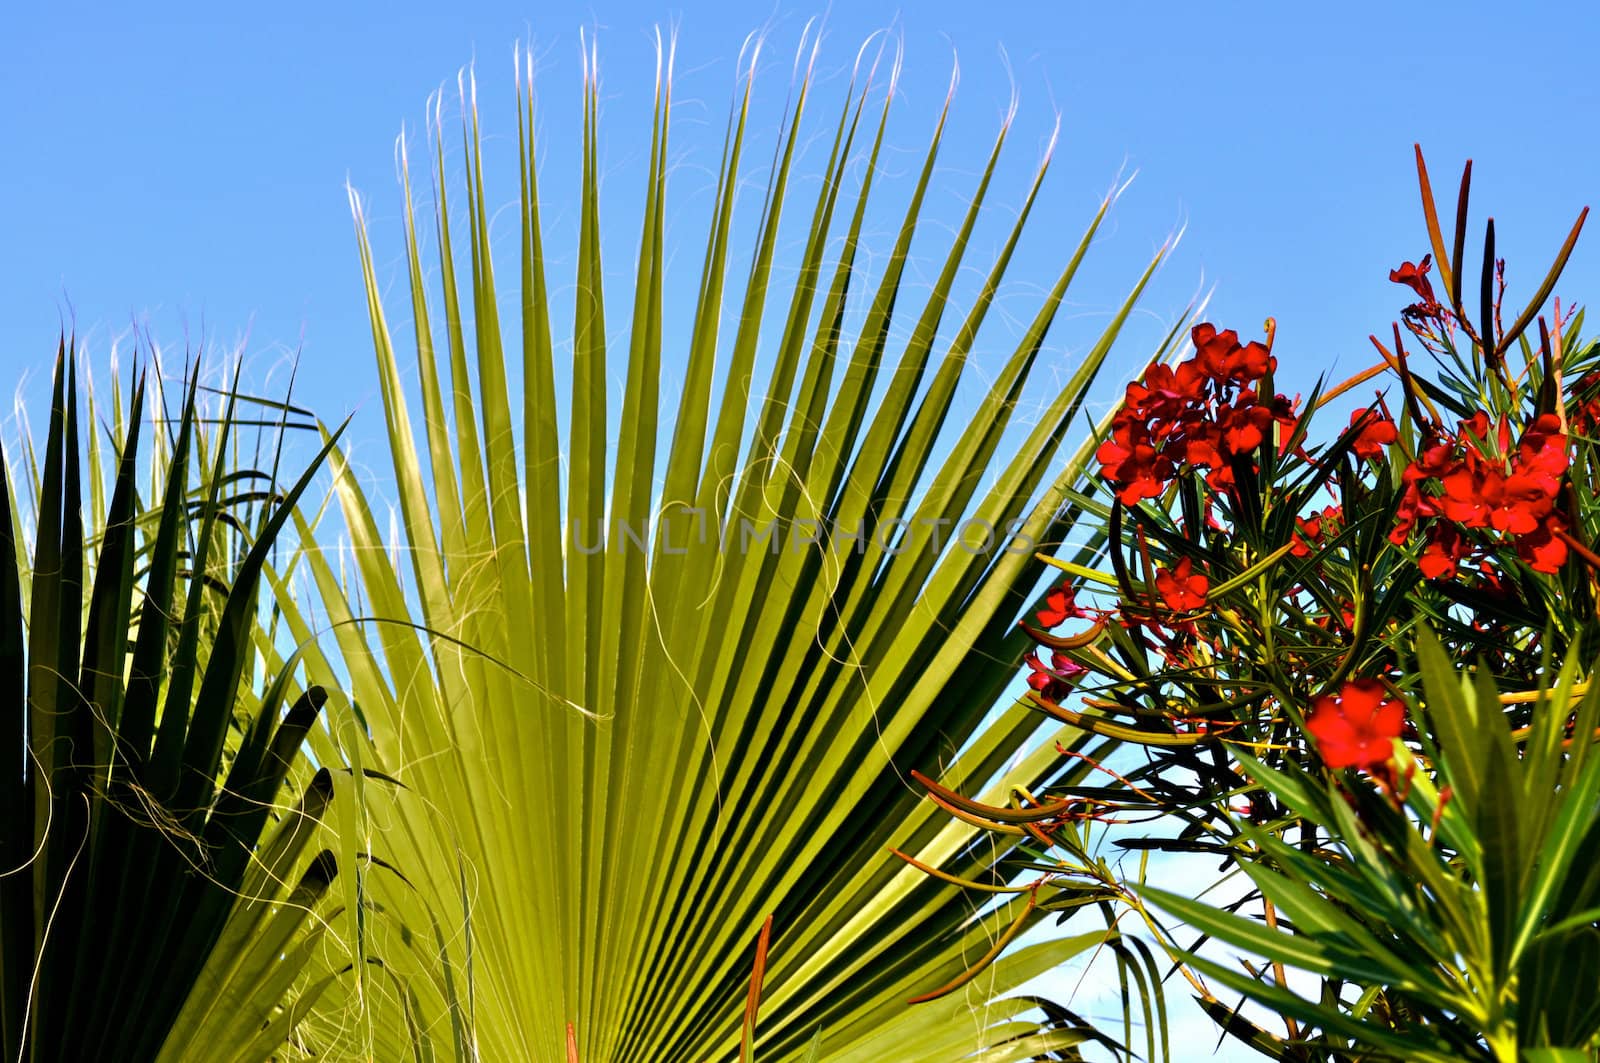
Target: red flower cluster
<point>1357,727</point>
<point>1478,488</point>
<point>1201,414</point>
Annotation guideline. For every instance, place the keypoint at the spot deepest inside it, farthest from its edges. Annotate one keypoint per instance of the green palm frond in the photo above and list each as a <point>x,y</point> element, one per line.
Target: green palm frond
<point>618,761</point>
<point>164,890</point>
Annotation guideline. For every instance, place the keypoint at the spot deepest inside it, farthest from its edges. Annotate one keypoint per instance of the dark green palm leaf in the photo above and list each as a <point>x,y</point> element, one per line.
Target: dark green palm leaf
<point>141,888</point>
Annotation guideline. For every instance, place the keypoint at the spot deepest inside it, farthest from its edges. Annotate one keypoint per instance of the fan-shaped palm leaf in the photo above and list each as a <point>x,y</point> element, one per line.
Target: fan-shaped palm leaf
<point>640,724</point>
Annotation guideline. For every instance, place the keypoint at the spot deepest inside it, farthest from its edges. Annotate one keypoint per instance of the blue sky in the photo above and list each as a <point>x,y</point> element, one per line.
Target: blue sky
<point>183,171</point>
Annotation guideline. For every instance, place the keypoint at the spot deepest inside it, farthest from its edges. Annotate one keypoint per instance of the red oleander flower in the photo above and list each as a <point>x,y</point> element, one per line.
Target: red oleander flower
<point>1202,448</point>
<point>1220,356</point>
<point>1060,605</point>
<point>1445,550</point>
<point>1357,727</point>
<point>1475,429</point>
<point>1377,432</point>
<point>1131,461</point>
<point>1221,478</point>
<point>1249,363</point>
<point>1039,677</point>
<point>1413,508</point>
<point>1468,490</point>
<point>1521,502</point>
<point>1308,533</point>
<point>1142,474</point>
<point>1542,452</point>
<point>1166,392</point>
<point>1436,459</point>
<point>1583,405</point>
<point>1415,277</point>
<point>1181,587</point>
<point>1211,349</point>
<point>1283,412</point>
<point>1311,531</point>
<point>1055,682</point>
<point>1244,424</point>
<point>1542,548</point>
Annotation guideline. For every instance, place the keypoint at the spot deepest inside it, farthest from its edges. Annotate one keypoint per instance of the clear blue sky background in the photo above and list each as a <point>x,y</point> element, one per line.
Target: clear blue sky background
<point>183,169</point>
<point>182,166</point>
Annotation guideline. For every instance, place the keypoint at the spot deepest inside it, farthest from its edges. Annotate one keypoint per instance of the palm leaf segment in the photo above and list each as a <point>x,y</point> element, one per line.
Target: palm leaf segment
<point>162,895</point>
<point>653,745</point>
